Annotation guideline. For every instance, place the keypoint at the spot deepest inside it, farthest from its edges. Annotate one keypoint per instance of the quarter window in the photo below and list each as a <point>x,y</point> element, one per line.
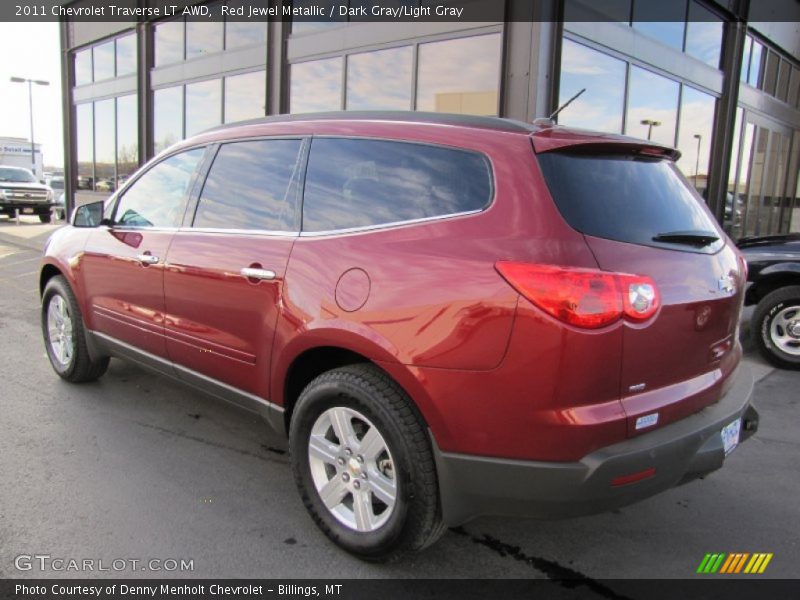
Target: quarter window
<point>251,185</point>
<point>158,198</point>
<point>359,183</point>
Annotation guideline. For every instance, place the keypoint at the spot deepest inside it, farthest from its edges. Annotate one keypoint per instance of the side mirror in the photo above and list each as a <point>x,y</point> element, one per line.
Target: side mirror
<point>88,215</point>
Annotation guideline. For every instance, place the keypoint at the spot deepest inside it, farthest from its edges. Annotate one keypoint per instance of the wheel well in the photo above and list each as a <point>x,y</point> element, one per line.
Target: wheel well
<point>48,272</point>
<point>310,365</point>
<point>769,284</point>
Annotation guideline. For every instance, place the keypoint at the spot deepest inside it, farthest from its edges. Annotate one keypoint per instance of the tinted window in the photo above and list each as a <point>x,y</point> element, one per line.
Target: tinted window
<point>460,76</point>
<point>316,86</point>
<point>250,186</point>
<point>357,183</point>
<point>83,67</point>
<point>103,61</point>
<point>158,198</point>
<point>600,108</point>
<point>622,197</point>
<point>126,55</point>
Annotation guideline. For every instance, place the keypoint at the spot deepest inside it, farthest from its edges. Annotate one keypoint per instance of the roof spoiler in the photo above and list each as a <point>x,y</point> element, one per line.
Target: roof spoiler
<point>552,139</point>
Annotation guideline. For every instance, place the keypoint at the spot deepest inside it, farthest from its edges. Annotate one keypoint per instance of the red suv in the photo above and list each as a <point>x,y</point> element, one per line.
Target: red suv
<point>449,316</point>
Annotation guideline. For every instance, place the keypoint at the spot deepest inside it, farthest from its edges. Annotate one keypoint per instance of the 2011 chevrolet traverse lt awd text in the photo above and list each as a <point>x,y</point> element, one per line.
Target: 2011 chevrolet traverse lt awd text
<point>449,316</point>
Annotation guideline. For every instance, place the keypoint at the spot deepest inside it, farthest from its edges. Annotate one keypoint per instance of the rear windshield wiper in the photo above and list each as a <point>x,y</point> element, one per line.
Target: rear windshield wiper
<point>690,238</point>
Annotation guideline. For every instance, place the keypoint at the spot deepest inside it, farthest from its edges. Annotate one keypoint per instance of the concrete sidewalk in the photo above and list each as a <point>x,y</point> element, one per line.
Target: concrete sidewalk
<point>32,235</point>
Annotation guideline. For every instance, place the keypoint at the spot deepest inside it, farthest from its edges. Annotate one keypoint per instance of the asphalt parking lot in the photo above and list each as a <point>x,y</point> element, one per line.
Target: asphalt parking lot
<point>137,467</point>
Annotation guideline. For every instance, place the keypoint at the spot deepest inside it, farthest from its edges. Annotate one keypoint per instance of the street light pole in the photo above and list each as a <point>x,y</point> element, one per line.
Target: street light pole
<point>698,137</point>
<point>650,124</point>
<point>30,83</point>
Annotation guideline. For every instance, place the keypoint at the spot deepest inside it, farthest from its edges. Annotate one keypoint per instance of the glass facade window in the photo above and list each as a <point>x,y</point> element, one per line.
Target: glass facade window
<point>83,67</point>
<point>203,38</point>
<point>782,86</point>
<point>793,94</point>
<point>169,42</point>
<point>733,210</point>
<point>600,106</point>
<point>746,52</point>
<point>203,106</point>
<point>756,179</point>
<point>243,33</point>
<point>84,126</point>
<point>126,55</point>
<point>105,146</point>
<point>694,136</point>
<point>380,80</point>
<point>703,35</point>
<point>739,191</point>
<point>754,73</point>
<point>245,96</point>
<point>652,107</point>
<point>127,137</point>
<point>662,21</point>
<point>770,77</point>
<point>460,76</point>
<point>168,117</point>
<point>103,61</point>
<point>316,86</point>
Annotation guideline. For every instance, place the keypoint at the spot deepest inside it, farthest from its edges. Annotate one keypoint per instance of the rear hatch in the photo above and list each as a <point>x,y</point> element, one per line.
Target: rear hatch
<point>640,216</point>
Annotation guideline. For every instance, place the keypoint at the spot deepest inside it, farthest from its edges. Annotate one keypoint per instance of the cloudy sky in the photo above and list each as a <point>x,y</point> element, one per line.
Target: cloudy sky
<point>32,50</point>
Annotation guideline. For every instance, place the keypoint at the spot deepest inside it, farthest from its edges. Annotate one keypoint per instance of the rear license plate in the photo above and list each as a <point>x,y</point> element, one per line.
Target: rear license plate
<point>27,211</point>
<point>730,436</point>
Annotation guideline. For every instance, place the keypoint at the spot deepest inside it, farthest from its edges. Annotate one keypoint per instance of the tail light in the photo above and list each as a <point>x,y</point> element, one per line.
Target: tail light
<point>587,298</point>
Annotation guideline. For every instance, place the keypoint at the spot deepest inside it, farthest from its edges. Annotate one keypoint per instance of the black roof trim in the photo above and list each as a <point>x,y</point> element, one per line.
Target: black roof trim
<point>496,123</point>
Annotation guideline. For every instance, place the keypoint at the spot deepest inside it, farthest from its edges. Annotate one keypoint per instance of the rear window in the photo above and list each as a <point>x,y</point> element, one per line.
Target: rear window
<point>360,183</point>
<point>628,198</point>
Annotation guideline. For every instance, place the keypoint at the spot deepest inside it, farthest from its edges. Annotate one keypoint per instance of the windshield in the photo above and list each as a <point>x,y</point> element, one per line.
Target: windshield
<point>628,198</point>
<point>57,183</point>
<point>16,175</point>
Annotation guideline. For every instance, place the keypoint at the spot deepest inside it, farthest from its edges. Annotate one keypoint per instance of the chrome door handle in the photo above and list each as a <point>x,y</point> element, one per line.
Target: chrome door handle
<point>251,273</point>
<point>147,259</point>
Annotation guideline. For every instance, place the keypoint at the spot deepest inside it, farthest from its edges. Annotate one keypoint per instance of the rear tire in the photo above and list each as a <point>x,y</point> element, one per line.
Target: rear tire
<point>776,327</point>
<point>379,480</point>
<point>65,336</point>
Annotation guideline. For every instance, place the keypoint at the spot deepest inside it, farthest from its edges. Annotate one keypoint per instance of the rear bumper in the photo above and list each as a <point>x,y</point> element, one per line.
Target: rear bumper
<point>471,486</point>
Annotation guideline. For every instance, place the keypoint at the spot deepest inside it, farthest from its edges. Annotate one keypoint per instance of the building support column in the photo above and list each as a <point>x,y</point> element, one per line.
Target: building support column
<point>529,74</point>
<point>70,145</point>
<point>725,120</point>
<point>145,62</point>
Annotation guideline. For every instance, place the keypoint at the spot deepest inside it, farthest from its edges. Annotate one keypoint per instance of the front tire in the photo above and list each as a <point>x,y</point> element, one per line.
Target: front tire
<point>776,327</point>
<point>45,218</point>
<point>64,335</point>
<point>363,464</point>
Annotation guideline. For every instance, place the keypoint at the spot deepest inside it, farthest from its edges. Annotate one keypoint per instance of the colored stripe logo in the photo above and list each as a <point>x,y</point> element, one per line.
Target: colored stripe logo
<point>734,563</point>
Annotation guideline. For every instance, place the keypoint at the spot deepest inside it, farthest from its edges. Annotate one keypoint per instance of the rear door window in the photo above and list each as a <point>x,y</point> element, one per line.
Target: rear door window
<point>252,185</point>
<point>353,183</point>
<point>628,198</point>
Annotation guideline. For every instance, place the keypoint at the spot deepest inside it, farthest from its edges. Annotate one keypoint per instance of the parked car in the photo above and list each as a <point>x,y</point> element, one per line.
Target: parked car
<point>21,192</point>
<point>774,287</point>
<point>104,185</point>
<point>56,183</point>
<point>449,316</point>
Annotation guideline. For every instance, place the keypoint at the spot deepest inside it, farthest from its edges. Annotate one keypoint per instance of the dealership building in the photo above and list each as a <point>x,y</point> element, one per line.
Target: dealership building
<point>713,78</point>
